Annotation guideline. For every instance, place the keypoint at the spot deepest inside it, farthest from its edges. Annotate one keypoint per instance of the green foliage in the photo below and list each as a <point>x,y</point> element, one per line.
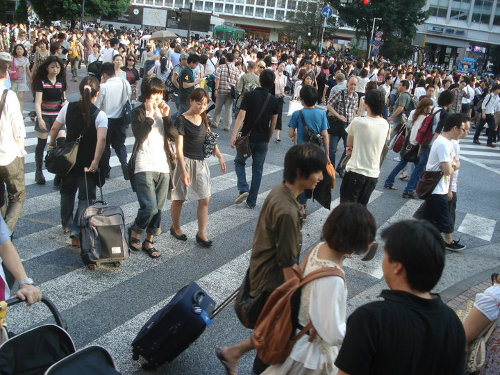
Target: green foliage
<point>3,11</point>
<point>71,9</point>
<point>308,20</point>
<point>399,20</point>
<point>21,15</point>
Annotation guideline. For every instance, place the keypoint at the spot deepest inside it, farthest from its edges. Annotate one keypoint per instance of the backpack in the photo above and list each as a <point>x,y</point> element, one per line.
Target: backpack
<point>169,86</point>
<point>410,107</point>
<point>274,334</point>
<point>424,135</point>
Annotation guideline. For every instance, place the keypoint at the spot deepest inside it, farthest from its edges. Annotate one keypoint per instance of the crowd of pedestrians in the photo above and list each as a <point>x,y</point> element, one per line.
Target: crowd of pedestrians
<point>368,105</point>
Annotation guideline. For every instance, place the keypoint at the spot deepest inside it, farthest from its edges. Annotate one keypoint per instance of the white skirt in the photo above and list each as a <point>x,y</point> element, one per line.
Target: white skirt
<point>199,174</point>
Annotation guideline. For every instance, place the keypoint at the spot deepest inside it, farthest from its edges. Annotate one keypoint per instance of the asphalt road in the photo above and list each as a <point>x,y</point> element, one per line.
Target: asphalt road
<point>108,306</point>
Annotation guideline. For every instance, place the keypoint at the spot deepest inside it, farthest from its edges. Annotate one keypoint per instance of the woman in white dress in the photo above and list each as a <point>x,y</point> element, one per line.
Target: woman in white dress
<point>20,84</point>
<point>349,229</point>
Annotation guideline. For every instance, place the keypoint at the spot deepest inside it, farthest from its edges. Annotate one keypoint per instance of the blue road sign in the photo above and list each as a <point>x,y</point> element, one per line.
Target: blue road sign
<point>375,51</point>
<point>327,12</point>
<point>377,43</point>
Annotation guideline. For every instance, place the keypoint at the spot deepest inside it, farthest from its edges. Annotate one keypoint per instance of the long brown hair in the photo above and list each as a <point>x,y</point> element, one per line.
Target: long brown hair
<point>197,96</point>
<point>421,107</point>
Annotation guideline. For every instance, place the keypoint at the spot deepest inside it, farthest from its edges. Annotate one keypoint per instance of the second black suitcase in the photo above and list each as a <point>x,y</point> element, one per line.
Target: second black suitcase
<point>172,329</point>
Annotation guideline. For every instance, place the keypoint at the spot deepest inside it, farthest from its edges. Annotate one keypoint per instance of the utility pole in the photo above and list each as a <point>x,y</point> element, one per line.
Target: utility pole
<point>371,38</point>
<point>189,25</point>
<point>83,13</point>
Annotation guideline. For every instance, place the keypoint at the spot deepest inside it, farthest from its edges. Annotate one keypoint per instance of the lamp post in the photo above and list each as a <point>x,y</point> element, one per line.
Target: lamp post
<point>371,38</point>
<point>83,13</point>
<point>189,25</point>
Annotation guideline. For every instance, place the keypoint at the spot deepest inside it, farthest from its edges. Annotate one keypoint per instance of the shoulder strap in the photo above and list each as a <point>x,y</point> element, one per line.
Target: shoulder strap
<point>2,101</point>
<point>302,118</point>
<point>490,95</point>
<point>263,107</point>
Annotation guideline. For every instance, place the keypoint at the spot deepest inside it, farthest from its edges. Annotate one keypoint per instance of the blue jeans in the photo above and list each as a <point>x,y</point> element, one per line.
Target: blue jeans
<point>259,152</point>
<point>151,189</point>
<point>334,140</point>
<point>69,186</point>
<point>419,168</point>
<point>389,181</point>
<point>117,133</point>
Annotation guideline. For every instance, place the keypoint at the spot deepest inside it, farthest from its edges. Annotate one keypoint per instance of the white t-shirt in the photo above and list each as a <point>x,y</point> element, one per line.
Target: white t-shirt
<point>151,156</point>
<point>456,150</point>
<point>101,120</point>
<point>415,126</point>
<point>419,91</point>
<point>488,302</point>
<point>441,151</point>
<point>369,134</point>
<point>470,91</point>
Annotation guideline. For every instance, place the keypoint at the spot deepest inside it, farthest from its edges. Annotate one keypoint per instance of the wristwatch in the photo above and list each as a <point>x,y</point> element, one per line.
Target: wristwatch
<point>28,281</point>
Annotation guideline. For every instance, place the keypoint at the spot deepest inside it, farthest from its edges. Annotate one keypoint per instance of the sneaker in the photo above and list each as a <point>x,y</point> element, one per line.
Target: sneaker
<point>241,197</point>
<point>476,142</point>
<point>125,172</point>
<point>455,246</point>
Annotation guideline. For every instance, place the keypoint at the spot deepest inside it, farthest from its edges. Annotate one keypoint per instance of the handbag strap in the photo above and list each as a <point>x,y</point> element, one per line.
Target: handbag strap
<point>262,109</point>
<point>2,101</point>
<point>343,101</point>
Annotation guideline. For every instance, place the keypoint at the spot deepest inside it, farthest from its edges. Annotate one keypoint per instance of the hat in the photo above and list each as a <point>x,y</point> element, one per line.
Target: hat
<point>261,64</point>
<point>5,56</point>
<point>184,56</point>
<point>211,51</point>
<point>274,60</point>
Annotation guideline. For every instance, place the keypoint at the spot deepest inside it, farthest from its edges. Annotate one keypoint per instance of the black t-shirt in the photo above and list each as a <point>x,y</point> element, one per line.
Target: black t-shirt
<point>403,334</point>
<point>194,137</point>
<point>252,103</point>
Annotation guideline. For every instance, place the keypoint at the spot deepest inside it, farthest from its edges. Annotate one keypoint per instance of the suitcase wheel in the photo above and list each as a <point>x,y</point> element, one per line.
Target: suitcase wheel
<point>117,264</point>
<point>92,266</point>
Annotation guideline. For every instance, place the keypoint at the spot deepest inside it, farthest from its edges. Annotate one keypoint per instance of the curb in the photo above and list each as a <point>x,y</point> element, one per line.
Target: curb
<point>463,286</point>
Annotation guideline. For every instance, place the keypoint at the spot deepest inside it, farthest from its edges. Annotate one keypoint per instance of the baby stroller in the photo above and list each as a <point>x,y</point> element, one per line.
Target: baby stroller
<point>49,350</point>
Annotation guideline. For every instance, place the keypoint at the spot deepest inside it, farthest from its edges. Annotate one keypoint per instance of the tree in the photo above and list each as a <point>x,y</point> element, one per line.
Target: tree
<point>3,11</point>
<point>21,15</point>
<point>307,23</point>
<point>399,20</point>
<point>71,9</point>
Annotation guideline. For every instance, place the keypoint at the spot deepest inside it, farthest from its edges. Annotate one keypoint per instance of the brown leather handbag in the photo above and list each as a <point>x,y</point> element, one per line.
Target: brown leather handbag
<point>427,183</point>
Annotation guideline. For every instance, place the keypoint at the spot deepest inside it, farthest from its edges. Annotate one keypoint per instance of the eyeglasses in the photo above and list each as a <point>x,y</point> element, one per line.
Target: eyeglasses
<point>131,60</point>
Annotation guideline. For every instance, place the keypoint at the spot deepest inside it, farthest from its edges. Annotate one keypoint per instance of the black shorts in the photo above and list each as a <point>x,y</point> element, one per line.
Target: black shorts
<point>466,107</point>
<point>437,212</point>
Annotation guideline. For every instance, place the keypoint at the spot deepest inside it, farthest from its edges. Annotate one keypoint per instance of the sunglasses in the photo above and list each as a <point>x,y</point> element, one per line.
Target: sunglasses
<point>131,60</point>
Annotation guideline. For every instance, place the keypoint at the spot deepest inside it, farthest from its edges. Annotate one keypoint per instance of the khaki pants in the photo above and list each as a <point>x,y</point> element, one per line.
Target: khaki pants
<point>13,177</point>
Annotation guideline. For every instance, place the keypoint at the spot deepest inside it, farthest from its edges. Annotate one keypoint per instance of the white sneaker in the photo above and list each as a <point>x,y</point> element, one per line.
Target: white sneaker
<point>241,197</point>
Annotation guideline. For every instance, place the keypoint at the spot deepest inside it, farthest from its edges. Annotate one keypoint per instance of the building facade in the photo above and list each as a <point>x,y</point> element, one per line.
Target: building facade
<point>461,28</point>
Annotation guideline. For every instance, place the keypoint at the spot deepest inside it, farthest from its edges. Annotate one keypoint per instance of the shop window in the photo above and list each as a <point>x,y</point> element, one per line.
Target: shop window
<point>159,2</point>
<point>270,13</point>
<point>179,3</point>
<point>238,9</point>
<point>249,11</point>
<point>280,14</point>
<point>259,12</point>
<point>149,2</point>
<point>219,7</point>
<point>169,3</point>
<point>228,8</point>
<point>198,5</point>
<point>209,6</point>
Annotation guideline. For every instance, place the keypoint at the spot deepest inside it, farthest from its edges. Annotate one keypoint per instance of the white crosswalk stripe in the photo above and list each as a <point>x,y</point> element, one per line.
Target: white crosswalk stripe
<point>75,286</point>
<point>480,155</point>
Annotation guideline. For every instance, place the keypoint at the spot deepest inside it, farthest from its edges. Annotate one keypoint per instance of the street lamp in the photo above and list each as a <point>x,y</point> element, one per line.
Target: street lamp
<point>189,25</point>
<point>371,38</point>
<point>83,13</point>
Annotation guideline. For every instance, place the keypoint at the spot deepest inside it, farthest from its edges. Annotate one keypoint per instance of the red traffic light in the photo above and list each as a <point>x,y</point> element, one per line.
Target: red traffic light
<point>366,2</point>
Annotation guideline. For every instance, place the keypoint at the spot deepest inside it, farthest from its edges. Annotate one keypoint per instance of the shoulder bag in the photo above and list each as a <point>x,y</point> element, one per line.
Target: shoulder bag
<point>210,143</point>
<point>242,143</point>
<point>234,90</point>
<point>14,76</point>
<point>309,135</point>
<point>62,158</point>
<point>427,183</point>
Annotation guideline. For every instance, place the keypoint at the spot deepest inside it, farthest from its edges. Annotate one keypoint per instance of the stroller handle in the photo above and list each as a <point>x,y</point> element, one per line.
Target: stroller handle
<point>47,302</point>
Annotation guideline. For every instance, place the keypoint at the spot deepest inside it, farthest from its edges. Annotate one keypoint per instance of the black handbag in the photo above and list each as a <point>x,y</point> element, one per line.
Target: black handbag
<point>234,90</point>
<point>62,158</point>
<point>409,152</point>
<point>309,135</point>
<point>210,143</point>
<point>248,308</point>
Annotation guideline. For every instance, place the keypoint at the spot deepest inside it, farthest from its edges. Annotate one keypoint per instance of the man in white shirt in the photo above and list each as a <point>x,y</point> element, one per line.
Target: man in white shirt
<point>468,97</point>
<point>488,108</point>
<point>211,62</point>
<point>113,95</point>
<point>112,51</point>
<point>442,158</point>
<point>12,135</point>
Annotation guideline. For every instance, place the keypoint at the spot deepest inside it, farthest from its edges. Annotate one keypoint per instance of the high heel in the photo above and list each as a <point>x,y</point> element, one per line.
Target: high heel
<point>180,237</point>
<point>203,243</point>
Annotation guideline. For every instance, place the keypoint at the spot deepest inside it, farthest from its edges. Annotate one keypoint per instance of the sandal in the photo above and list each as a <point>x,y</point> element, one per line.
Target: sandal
<point>151,250</point>
<point>133,241</point>
<point>230,369</point>
<point>390,187</point>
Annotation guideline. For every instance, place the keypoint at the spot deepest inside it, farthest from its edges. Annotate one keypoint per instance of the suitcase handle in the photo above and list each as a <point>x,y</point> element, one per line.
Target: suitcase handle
<point>198,297</point>
<point>85,171</point>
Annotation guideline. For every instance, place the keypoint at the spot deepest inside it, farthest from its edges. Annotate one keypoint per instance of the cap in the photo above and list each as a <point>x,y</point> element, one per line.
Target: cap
<point>184,56</point>
<point>274,60</point>
<point>261,64</point>
<point>5,56</point>
<point>211,51</point>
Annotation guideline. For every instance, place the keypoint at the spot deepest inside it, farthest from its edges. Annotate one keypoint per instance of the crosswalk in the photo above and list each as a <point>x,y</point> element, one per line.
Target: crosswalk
<point>480,155</point>
<point>108,306</point>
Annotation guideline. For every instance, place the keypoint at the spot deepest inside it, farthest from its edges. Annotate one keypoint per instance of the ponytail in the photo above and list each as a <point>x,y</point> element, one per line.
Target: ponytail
<point>89,87</point>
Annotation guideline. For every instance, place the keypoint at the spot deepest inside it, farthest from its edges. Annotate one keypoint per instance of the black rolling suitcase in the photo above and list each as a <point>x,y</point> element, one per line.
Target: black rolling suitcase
<point>172,329</point>
<point>102,234</point>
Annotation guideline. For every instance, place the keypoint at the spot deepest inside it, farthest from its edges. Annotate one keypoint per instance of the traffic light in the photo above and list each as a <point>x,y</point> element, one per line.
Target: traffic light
<point>178,16</point>
<point>366,2</point>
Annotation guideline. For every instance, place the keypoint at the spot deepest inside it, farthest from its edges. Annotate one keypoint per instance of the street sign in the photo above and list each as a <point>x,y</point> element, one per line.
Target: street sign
<point>379,34</point>
<point>375,51</point>
<point>377,43</point>
<point>327,12</point>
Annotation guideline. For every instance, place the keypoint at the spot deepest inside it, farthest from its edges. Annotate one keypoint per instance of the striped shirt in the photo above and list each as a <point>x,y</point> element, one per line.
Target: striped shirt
<point>52,96</point>
<point>228,75</point>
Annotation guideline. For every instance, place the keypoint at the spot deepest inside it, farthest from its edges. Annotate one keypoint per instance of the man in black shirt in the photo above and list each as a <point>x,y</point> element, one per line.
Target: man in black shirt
<point>257,110</point>
<point>411,331</point>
